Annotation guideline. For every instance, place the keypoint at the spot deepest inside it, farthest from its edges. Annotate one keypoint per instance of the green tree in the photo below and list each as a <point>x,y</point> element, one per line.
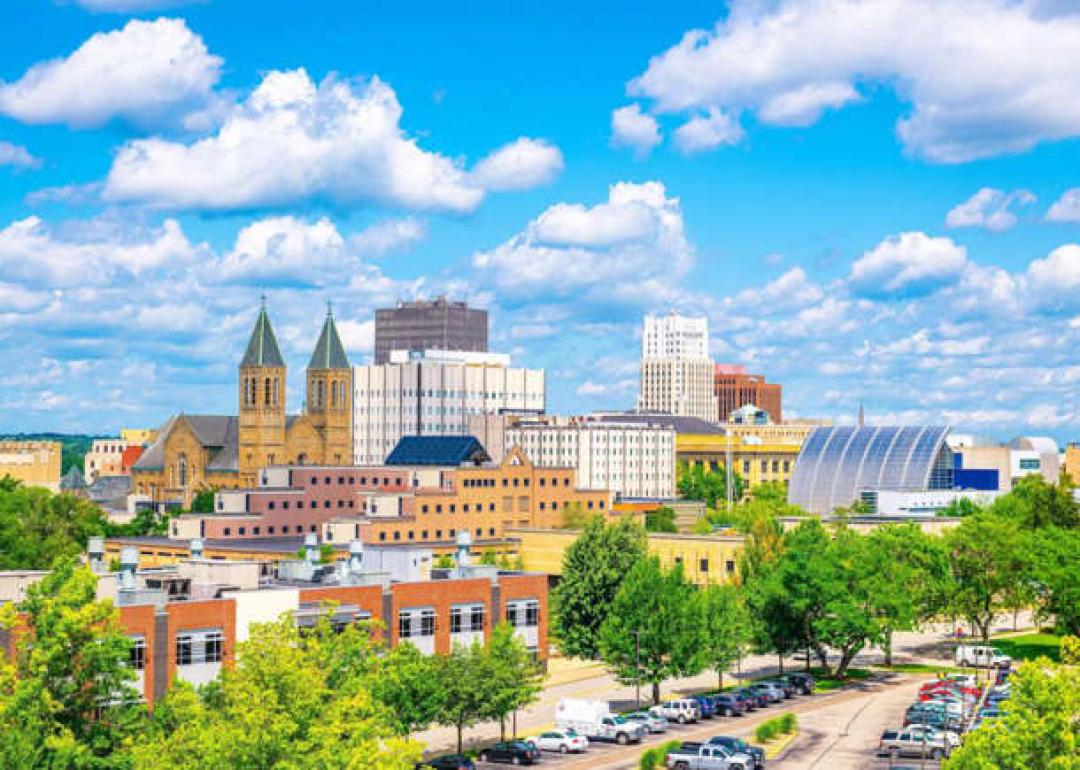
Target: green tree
<point>725,627</point>
<point>651,632</point>
<point>594,567</point>
<point>960,507</point>
<point>67,699</point>
<point>410,685</point>
<point>465,674</point>
<point>1039,727</point>
<point>1035,503</point>
<point>1054,567</point>
<point>574,516</point>
<point>515,676</point>
<point>661,519</point>
<point>203,502</point>
<point>38,526</point>
<point>985,561</point>
<point>694,482</point>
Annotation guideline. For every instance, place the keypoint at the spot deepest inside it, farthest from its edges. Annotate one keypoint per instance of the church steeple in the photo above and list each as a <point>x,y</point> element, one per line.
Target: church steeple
<point>329,392</point>
<point>329,353</point>
<point>262,401</point>
<point>262,348</point>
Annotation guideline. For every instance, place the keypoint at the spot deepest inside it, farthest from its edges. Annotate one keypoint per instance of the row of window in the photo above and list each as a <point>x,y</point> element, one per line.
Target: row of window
<point>421,622</point>
<point>765,466</point>
<point>424,534</point>
<point>314,504</point>
<point>270,530</point>
<point>351,480</point>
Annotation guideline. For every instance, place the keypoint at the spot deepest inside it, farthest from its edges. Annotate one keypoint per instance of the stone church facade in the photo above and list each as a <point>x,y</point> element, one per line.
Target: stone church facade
<point>194,452</point>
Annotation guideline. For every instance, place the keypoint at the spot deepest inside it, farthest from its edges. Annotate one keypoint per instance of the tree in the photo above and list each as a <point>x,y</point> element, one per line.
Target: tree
<point>651,633</point>
<point>1054,567</point>
<point>281,705</point>
<point>694,482</point>
<point>725,627</point>
<point>67,699</point>
<point>574,516</point>
<point>984,563</point>
<point>514,674</point>
<point>1039,727</point>
<point>466,688</point>
<point>38,526</point>
<point>1035,503</point>
<point>410,685</point>
<point>203,501</point>
<point>661,519</point>
<point>593,569</point>
<point>959,508</point>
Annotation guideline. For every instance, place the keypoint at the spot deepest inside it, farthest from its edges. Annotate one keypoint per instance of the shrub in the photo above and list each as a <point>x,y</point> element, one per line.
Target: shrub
<point>765,732</point>
<point>788,723</point>
<point>653,759</point>
<point>1070,650</point>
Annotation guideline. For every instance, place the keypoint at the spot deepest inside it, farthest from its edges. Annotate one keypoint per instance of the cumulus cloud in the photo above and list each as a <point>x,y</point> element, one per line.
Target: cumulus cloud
<point>630,127</point>
<point>615,248</point>
<point>287,251</point>
<point>1066,208</point>
<point>981,78</point>
<point>912,263</point>
<point>989,208</point>
<point>1057,276</point>
<point>146,73</point>
<point>707,132</point>
<point>17,156</point>
<point>388,236</point>
<point>519,165</point>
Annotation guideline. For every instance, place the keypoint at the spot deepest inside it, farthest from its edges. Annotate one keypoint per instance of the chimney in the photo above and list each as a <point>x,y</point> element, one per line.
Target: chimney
<point>356,557</point>
<point>196,548</point>
<point>95,548</point>
<point>464,541</point>
<point>311,548</point>
<point>129,562</point>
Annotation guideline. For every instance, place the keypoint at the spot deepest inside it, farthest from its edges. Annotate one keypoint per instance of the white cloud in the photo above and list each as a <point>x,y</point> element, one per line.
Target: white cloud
<point>982,77</point>
<point>792,289</point>
<point>17,156</point>
<point>69,194</point>
<point>707,132</point>
<point>1066,208</point>
<point>288,251</point>
<point>630,127</point>
<point>1058,274</point>
<point>293,140</point>
<point>590,388</point>
<point>910,262</point>
<point>615,248</point>
<point>357,336</point>
<point>989,208</point>
<point>145,73</point>
<point>389,235</point>
<point>520,165</point>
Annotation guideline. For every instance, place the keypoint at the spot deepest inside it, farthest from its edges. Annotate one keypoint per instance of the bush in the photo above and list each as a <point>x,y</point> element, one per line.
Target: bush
<point>653,759</point>
<point>765,732</point>
<point>788,722</point>
<point>1070,650</point>
<point>781,725</point>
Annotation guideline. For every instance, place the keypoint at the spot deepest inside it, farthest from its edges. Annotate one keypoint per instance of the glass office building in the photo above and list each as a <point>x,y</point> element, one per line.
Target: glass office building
<point>840,465</point>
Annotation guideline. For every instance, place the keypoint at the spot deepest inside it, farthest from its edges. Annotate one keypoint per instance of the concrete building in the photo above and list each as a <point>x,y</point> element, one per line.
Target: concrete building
<point>632,459</point>
<point>438,324</point>
<point>187,618</point>
<point>1000,466</point>
<point>677,375</point>
<point>34,463</point>
<point>434,393</point>
<point>735,388</point>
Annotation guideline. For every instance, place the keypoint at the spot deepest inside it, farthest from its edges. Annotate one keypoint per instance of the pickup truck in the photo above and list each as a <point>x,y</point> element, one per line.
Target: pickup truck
<point>908,742</point>
<point>704,756</point>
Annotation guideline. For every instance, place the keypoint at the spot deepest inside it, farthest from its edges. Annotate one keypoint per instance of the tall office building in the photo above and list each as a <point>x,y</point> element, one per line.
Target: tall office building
<point>676,371</point>
<point>736,389</point>
<point>433,393</point>
<point>438,324</point>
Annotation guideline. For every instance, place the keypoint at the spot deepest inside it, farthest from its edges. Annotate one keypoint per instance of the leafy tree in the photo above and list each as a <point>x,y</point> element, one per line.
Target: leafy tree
<point>281,706</point>
<point>574,516</point>
<point>985,561</point>
<point>1070,650</point>
<point>38,526</point>
<point>1034,503</point>
<point>725,627</point>
<point>203,502</point>
<point>1039,727</point>
<point>960,507</point>
<point>694,482</point>
<point>410,685</point>
<point>1055,570</point>
<point>514,674</point>
<point>661,519</point>
<point>593,569</point>
<point>651,632</point>
<point>444,561</point>
<point>67,699</point>
<point>467,690</point>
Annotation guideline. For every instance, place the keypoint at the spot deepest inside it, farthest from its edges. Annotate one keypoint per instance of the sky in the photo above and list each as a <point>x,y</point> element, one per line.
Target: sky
<point>872,201</point>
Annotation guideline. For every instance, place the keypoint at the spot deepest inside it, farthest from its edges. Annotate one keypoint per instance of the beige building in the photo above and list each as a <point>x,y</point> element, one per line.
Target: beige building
<point>138,436</point>
<point>105,458</point>
<point>793,433</point>
<point>34,463</point>
<point>677,375</point>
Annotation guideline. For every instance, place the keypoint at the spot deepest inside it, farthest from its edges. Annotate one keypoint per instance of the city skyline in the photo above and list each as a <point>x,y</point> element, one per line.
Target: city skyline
<point>855,231</point>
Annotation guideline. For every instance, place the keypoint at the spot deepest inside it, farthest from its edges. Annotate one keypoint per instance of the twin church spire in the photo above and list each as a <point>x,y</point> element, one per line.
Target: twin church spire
<point>263,351</point>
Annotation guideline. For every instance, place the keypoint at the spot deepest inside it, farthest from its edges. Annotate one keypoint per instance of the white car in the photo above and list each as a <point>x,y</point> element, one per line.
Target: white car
<point>562,741</point>
<point>948,737</point>
<point>654,722</point>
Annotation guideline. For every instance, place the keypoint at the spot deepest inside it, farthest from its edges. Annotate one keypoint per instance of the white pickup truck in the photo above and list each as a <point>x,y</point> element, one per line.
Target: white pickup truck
<point>595,720</point>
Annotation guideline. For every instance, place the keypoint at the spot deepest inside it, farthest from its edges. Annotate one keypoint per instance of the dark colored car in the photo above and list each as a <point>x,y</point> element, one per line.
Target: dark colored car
<point>514,752</point>
<point>705,703</point>
<point>931,718</point>
<point>803,681</point>
<point>785,685</point>
<point>447,762</point>
<point>739,746</point>
<point>758,699</point>
<point>729,705</point>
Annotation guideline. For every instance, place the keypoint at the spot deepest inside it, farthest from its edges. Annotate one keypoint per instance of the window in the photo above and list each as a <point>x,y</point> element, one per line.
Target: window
<point>413,623</point>
<point>523,612</point>
<point>270,529</point>
<point>382,536</point>
<point>138,653</point>
<point>284,529</point>
<point>424,508</point>
<point>285,504</point>
<point>1029,463</point>
<point>299,503</point>
<point>729,565</point>
<point>194,647</point>
<point>241,531</point>
<point>227,531</point>
<point>466,617</point>
<point>704,565</point>
<point>270,505</point>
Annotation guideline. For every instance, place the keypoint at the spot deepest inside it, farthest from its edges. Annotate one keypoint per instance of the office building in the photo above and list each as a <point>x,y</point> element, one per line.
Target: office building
<point>34,463</point>
<point>116,456</point>
<point>438,324</point>
<point>676,371</point>
<point>735,388</point>
<point>632,459</point>
<point>433,393</point>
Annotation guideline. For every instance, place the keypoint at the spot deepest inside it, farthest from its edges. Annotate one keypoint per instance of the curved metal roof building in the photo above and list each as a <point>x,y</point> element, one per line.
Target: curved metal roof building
<point>836,464</point>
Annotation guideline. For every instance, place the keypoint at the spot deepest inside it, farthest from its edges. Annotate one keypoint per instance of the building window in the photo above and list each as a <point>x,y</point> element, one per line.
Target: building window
<point>182,470</point>
<point>382,536</point>
<point>227,531</point>
<point>424,508</point>
<point>729,565</point>
<point>195,647</point>
<point>284,529</point>
<point>704,565</point>
<point>138,653</point>
<point>299,503</point>
<point>241,531</point>
<point>746,467</point>
<point>523,612</point>
<point>466,617</point>
<point>270,505</point>
<point>413,623</point>
<point>397,535</point>
<point>254,530</point>
<point>270,529</point>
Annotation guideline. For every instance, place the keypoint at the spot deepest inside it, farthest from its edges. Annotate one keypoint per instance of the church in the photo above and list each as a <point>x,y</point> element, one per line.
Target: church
<point>194,452</point>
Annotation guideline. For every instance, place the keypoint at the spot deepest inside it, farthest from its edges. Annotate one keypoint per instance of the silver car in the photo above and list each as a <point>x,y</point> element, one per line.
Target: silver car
<point>654,722</point>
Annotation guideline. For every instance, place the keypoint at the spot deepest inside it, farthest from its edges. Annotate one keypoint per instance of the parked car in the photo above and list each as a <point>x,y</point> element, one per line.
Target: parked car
<point>447,762</point>
<point>595,720</point>
<point>749,700</point>
<point>949,737</point>
<point>803,681</point>
<point>977,656</point>
<point>933,718</point>
<point>654,722</point>
<point>562,741</point>
<point>729,705</point>
<point>514,752</point>
<point>705,705</point>
<point>771,692</point>
<point>702,756</point>
<point>739,746</point>
<point>907,743</point>
<point>681,710</point>
<point>784,685</point>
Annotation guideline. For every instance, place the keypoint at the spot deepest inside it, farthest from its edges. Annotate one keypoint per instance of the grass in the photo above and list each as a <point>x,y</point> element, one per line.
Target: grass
<point>1030,646</point>
<point>823,683</point>
<point>921,668</point>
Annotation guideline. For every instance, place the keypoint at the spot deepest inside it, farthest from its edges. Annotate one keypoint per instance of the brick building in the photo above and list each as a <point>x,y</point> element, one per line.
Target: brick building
<point>735,388</point>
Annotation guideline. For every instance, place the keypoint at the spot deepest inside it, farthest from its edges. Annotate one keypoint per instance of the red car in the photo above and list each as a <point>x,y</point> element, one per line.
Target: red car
<point>950,688</point>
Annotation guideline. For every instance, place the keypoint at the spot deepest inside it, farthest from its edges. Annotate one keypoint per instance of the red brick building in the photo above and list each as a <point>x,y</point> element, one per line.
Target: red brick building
<point>735,388</point>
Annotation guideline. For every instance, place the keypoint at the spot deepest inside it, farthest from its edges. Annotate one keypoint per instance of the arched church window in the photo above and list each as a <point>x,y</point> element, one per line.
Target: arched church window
<point>276,402</point>
<point>266,392</point>
<point>182,470</point>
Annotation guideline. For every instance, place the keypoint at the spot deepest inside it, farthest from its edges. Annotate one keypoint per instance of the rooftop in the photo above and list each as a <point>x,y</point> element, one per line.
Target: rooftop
<point>438,451</point>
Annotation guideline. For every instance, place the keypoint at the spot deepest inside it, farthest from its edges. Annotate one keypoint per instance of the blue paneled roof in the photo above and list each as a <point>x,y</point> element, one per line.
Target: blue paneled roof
<point>437,450</point>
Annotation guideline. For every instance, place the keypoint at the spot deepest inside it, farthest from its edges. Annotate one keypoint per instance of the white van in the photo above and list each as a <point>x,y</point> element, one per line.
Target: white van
<point>681,710</point>
<point>984,657</point>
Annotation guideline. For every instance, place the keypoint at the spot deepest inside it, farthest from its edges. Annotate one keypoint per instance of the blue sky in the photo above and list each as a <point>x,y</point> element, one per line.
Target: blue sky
<point>870,199</point>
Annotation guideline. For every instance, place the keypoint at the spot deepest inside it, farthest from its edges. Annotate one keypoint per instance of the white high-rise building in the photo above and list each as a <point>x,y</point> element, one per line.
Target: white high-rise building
<point>677,375</point>
<point>632,459</point>
<point>433,393</point>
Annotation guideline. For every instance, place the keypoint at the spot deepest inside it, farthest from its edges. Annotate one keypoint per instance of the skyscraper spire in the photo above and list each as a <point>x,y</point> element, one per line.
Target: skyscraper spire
<point>862,415</point>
